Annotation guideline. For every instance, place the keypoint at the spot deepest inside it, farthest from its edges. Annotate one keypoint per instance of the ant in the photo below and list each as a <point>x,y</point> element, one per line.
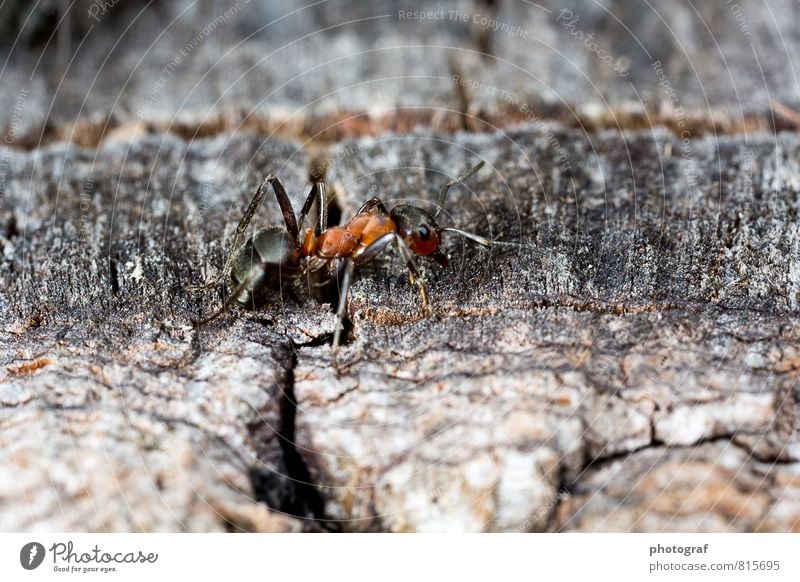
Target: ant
<point>278,253</point>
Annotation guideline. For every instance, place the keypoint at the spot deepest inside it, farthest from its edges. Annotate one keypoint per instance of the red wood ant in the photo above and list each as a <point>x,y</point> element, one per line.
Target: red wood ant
<point>276,254</point>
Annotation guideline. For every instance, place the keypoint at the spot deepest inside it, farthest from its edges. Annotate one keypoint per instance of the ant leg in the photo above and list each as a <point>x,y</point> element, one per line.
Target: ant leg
<point>346,278</point>
<point>322,205</point>
<point>414,276</point>
<point>373,204</point>
<point>285,204</point>
<point>374,249</point>
<point>369,253</point>
<point>240,229</point>
<point>319,195</point>
<point>196,323</point>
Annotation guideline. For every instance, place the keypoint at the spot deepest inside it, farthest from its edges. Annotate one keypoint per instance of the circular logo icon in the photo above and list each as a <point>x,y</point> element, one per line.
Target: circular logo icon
<point>31,555</point>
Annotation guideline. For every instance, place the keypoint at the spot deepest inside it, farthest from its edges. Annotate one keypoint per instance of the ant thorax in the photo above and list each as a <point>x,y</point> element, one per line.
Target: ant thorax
<point>351,239</point>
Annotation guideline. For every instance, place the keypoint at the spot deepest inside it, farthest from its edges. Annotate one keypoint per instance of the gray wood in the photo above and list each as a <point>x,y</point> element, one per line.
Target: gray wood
<point>630,366</point>
<point>627,340</point>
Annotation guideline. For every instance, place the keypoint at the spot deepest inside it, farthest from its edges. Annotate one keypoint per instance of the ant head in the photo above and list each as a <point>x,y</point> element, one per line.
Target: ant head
<point>419,230</point>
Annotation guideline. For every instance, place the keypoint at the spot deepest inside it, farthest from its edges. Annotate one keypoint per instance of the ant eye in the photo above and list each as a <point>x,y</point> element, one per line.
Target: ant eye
<point>424,231</point>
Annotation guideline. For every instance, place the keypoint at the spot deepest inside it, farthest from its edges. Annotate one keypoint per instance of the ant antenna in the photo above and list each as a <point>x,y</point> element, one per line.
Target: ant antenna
<point>459,180</point>
<point>485,242</point>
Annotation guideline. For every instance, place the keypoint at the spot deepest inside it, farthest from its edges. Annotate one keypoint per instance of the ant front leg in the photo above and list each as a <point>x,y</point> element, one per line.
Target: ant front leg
<point>347,276</point>
<point>414,276</point>
<point>368,254</point>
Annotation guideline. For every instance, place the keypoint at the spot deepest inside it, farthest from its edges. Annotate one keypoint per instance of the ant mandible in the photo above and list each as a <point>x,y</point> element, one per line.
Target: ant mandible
<point>276,254</point>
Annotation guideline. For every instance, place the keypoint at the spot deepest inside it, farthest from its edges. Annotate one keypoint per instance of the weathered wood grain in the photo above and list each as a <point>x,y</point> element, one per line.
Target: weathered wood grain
<point>640,328</point>
<point>630,365</point>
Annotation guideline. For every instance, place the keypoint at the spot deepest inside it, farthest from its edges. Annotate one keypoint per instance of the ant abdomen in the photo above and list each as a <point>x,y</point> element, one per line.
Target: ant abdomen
<point>268,261</point>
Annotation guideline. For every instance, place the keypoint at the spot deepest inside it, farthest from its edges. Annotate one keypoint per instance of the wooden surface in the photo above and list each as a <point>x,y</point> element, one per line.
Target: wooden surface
<point>631,366</point>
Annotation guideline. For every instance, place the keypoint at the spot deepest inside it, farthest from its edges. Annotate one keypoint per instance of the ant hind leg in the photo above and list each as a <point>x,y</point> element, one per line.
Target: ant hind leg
<point>288,218</point>
<point>244,222</point>
<point>196,323</point>
<point>318,194</point>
